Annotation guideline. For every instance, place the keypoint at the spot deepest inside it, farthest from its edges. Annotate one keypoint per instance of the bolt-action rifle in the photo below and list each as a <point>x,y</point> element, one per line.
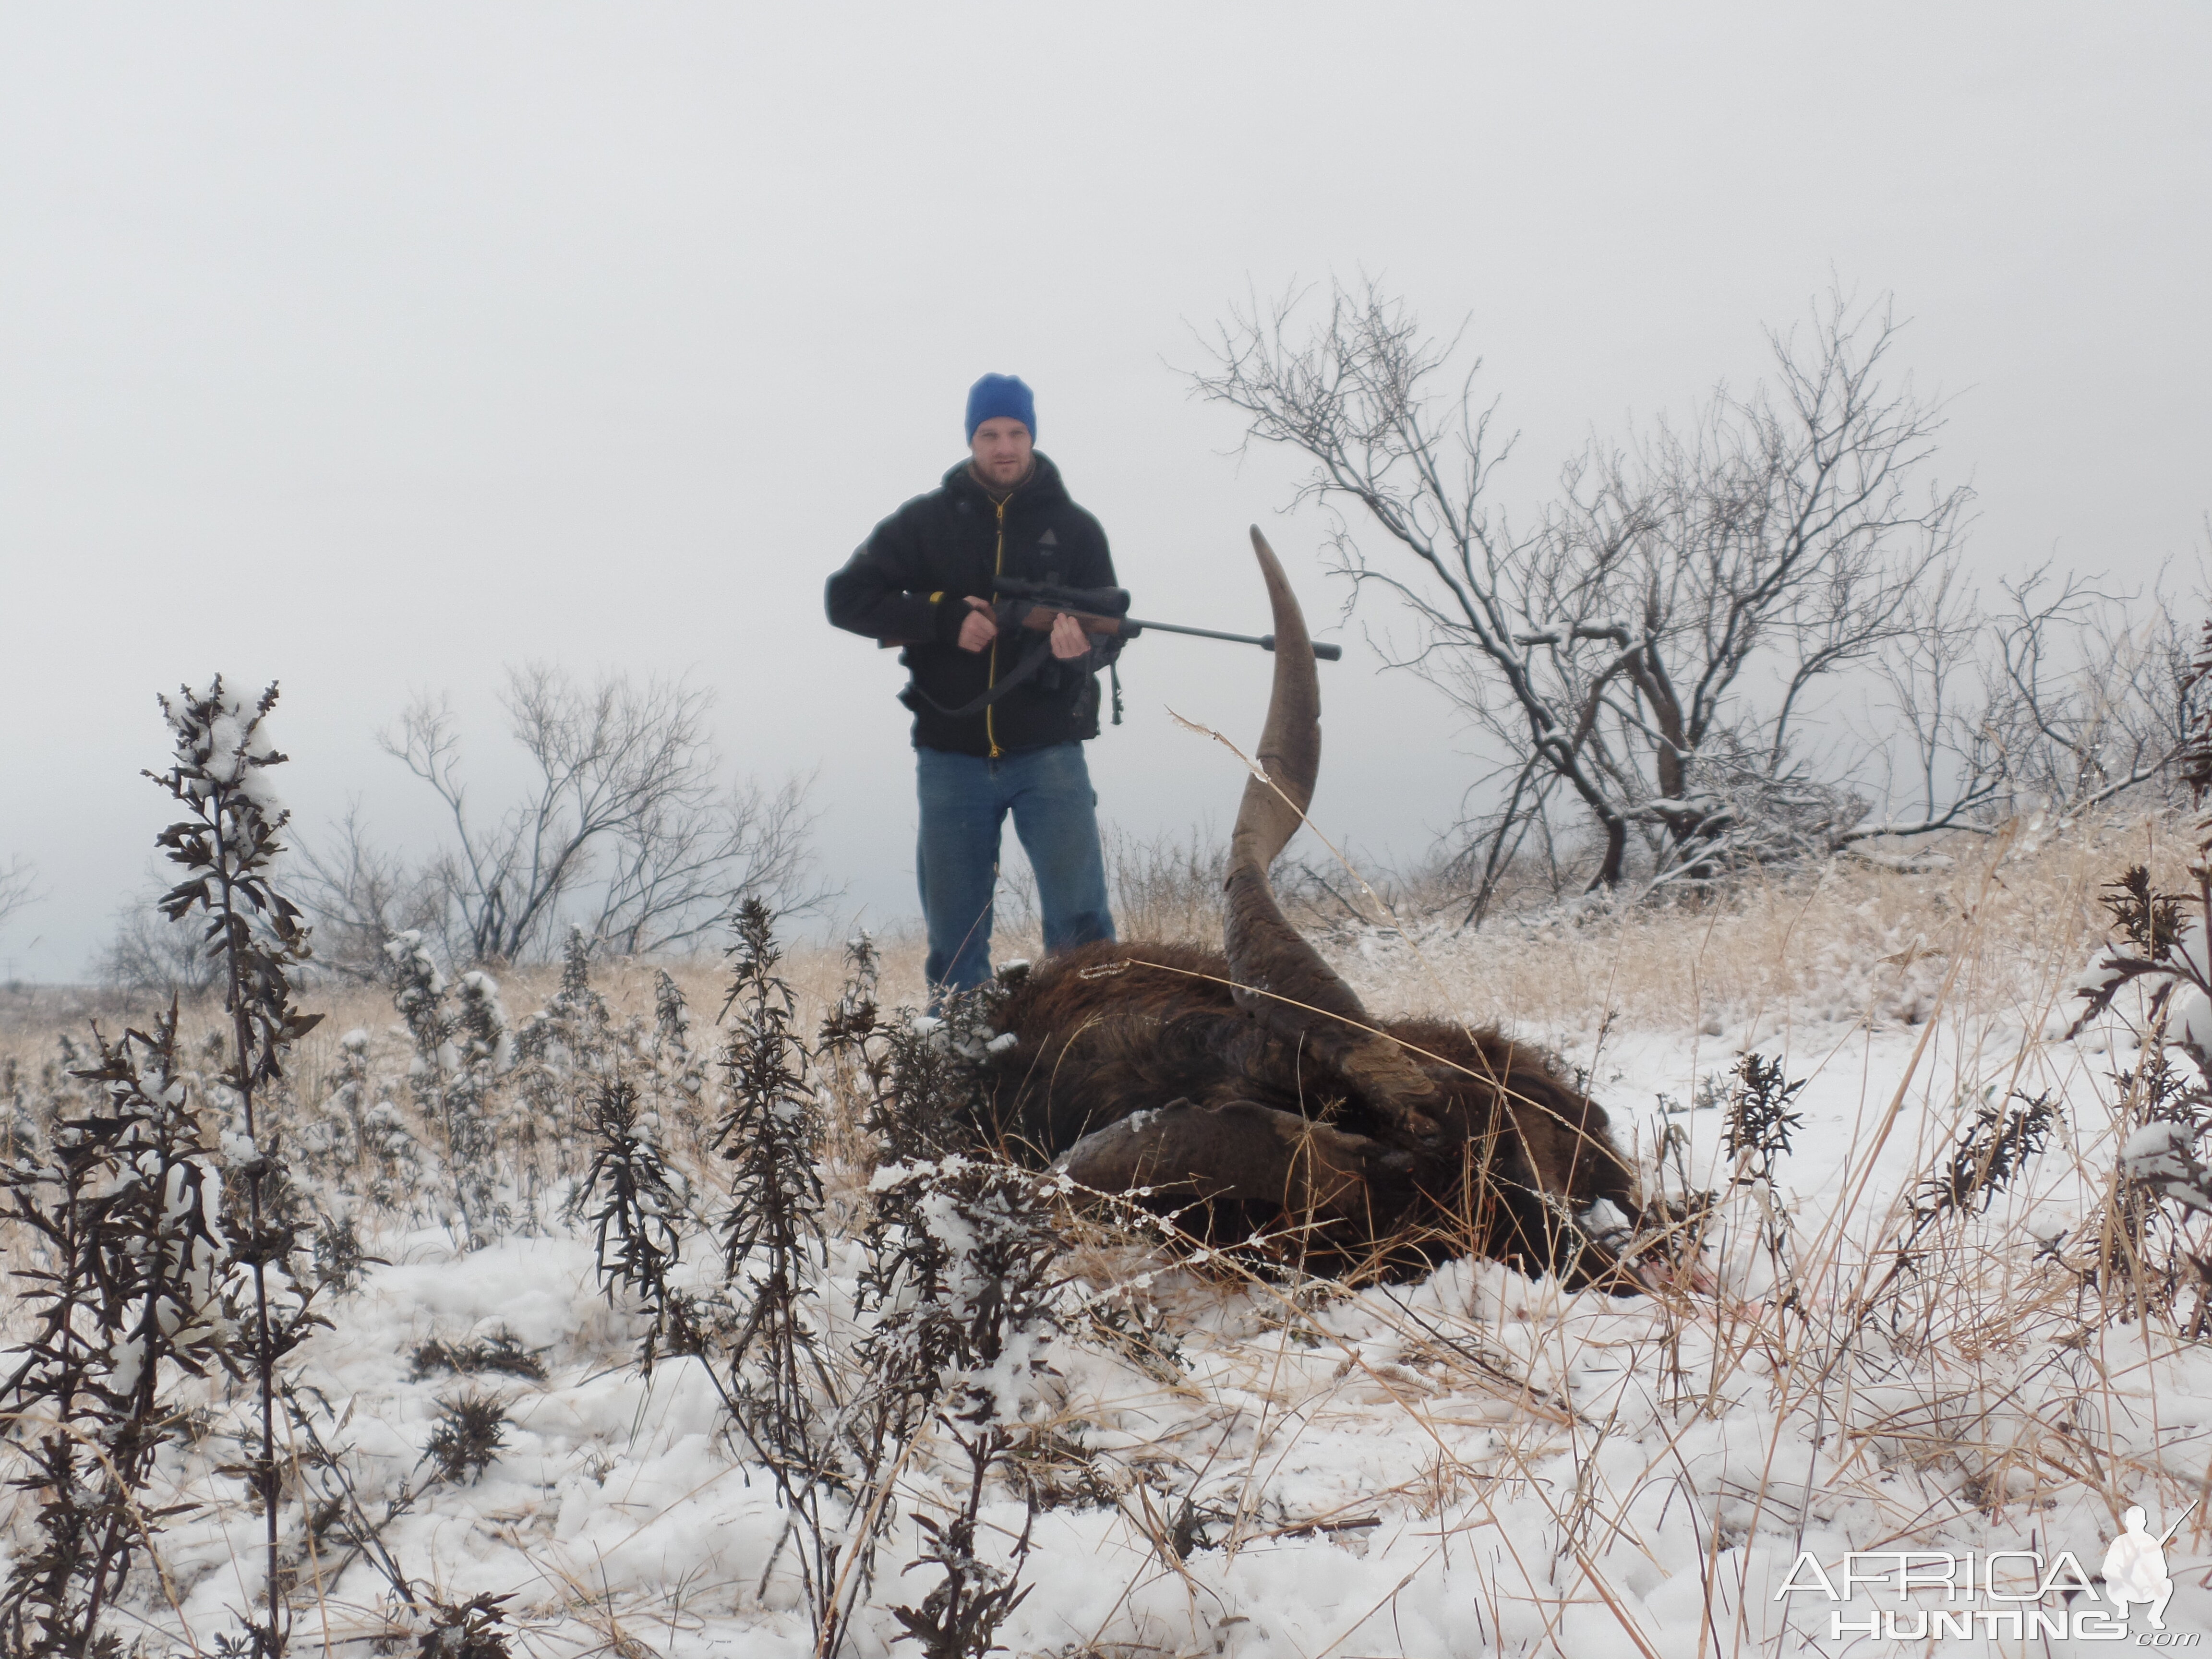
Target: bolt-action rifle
<point>1105,610</point>
<point>1030,606</point>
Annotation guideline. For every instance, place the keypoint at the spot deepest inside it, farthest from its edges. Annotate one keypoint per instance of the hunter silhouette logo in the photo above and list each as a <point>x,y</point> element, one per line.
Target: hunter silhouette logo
<point>2020,1594</point>
<point>2135,1566</point>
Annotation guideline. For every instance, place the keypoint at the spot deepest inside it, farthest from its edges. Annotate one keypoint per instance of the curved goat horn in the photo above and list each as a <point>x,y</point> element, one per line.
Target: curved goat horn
<point>1280,978</point>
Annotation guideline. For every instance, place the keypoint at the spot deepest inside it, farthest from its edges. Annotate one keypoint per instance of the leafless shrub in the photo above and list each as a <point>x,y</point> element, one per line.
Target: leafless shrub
<point>2061,699</point>
<point>623,815</point>
<point>131,1290</point>
<point>1668,653</point>
<point>362,897</point>
<point>2094,695</point>
<point>18,888</point>
<point>152,956</point>
<point>1646,649</point>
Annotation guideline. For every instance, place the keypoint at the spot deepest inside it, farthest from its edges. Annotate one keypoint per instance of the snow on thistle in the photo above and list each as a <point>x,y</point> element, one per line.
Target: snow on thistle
<point>2165,950</point>
<point>563,1052</point>
<point>635,1205</point>
<point>676,1061</point>
<point>962,1286</point>
<point>929,1092</point>
<point>362,1145</point>
<point>130,1291</point>
<point>962,1292</point>
<point>780,1387</point>
<point>460,1054</point>
<point>227,843</point>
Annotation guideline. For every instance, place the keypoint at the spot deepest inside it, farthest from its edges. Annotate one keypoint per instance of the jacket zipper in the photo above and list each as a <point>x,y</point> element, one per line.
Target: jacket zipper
<point>998,570</point>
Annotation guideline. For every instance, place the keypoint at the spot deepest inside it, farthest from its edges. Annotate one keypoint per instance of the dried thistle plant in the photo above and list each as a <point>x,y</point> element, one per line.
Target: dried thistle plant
<point>636,1205</point>
<point>127,1202</point>
<point>470,1431</point>
<point>780,1386</point>
<point>226,844</point>
<point>962,1296</point>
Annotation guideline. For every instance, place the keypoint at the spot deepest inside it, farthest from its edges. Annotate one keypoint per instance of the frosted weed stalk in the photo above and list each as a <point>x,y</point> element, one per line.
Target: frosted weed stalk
<point>127,1205</point>
<point>635,1203</point>
<point>169,1249</point>
<point>946,1331</point>
<point>760,1336</point>
<point>459,1054</point>
<point>774,1246</point>
<point>961,1293</point>
<point>226,844</point>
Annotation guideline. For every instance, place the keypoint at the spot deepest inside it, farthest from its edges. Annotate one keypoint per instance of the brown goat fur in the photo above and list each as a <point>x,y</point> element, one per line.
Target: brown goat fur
<point>1107,1031</point>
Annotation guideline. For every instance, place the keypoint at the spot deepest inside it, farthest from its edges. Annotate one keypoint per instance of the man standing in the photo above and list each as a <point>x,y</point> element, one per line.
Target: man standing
<point>998,723</point>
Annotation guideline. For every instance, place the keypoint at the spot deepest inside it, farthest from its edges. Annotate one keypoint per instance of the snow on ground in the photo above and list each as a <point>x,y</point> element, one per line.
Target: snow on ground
<point>1474,1464</point>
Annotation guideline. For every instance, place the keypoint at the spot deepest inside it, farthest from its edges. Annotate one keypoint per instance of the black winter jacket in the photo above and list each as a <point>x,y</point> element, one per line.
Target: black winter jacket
<point>909,583</point>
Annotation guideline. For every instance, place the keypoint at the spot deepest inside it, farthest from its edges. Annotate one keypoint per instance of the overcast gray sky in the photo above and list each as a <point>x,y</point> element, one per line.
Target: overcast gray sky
<point>371,348</point>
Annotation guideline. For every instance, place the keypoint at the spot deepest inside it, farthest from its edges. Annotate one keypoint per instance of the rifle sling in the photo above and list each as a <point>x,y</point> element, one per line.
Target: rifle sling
<point>1031,661</point>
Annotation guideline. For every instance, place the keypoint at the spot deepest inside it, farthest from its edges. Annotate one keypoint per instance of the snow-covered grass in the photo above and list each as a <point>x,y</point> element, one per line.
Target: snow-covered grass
<point>1476,1464</point>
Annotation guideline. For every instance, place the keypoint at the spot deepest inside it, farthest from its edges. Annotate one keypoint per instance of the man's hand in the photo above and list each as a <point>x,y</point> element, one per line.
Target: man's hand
<point>1068,638</point>
<point>980,627</point>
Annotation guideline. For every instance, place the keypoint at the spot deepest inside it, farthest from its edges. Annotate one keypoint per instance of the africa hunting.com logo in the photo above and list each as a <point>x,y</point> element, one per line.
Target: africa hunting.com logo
<point>2003,1593</point>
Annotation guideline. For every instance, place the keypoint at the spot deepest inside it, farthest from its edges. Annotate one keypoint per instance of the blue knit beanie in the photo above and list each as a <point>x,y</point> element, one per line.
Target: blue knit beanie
<point>1000,394</point>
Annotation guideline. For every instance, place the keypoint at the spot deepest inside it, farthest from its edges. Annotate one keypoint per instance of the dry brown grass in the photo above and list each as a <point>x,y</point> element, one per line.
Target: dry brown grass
<point>1810,943</point>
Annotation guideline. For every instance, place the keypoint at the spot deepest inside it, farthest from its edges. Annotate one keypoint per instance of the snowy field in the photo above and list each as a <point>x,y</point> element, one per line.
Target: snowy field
<point>1856,1357</point>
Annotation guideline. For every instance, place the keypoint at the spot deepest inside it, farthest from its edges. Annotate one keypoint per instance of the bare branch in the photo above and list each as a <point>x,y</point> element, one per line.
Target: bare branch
<point>626,814</point>
<point>18,888</point>
<point>1649,643</point>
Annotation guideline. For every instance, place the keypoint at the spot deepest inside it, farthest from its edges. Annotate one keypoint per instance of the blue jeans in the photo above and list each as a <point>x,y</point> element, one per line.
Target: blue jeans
<point>964,802</point>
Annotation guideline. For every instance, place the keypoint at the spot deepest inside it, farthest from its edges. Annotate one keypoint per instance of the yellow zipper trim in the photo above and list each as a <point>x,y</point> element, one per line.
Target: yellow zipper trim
<point>998,570</point>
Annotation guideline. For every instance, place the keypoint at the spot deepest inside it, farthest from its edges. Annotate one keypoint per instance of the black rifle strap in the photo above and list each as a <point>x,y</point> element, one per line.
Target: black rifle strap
<point>1036,652</point>
<point>1033,659</point>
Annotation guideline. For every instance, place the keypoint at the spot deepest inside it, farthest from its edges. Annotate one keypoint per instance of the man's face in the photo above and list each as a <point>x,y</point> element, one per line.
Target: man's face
<point>1002,451</point>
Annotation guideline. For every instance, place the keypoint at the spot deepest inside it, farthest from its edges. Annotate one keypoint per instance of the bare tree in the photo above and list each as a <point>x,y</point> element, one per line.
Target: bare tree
<point>2062,700</point>
<point>362,897</point>
<point>151,955</point>
<point>624,804</point>
<point>1648,647</point>
<point>18,888</point>
<point>672,881</point>
<point>2092,693</point>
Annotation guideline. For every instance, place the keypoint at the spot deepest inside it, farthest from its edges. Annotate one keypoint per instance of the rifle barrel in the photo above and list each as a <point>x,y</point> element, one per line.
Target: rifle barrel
<point>1264,642</point>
